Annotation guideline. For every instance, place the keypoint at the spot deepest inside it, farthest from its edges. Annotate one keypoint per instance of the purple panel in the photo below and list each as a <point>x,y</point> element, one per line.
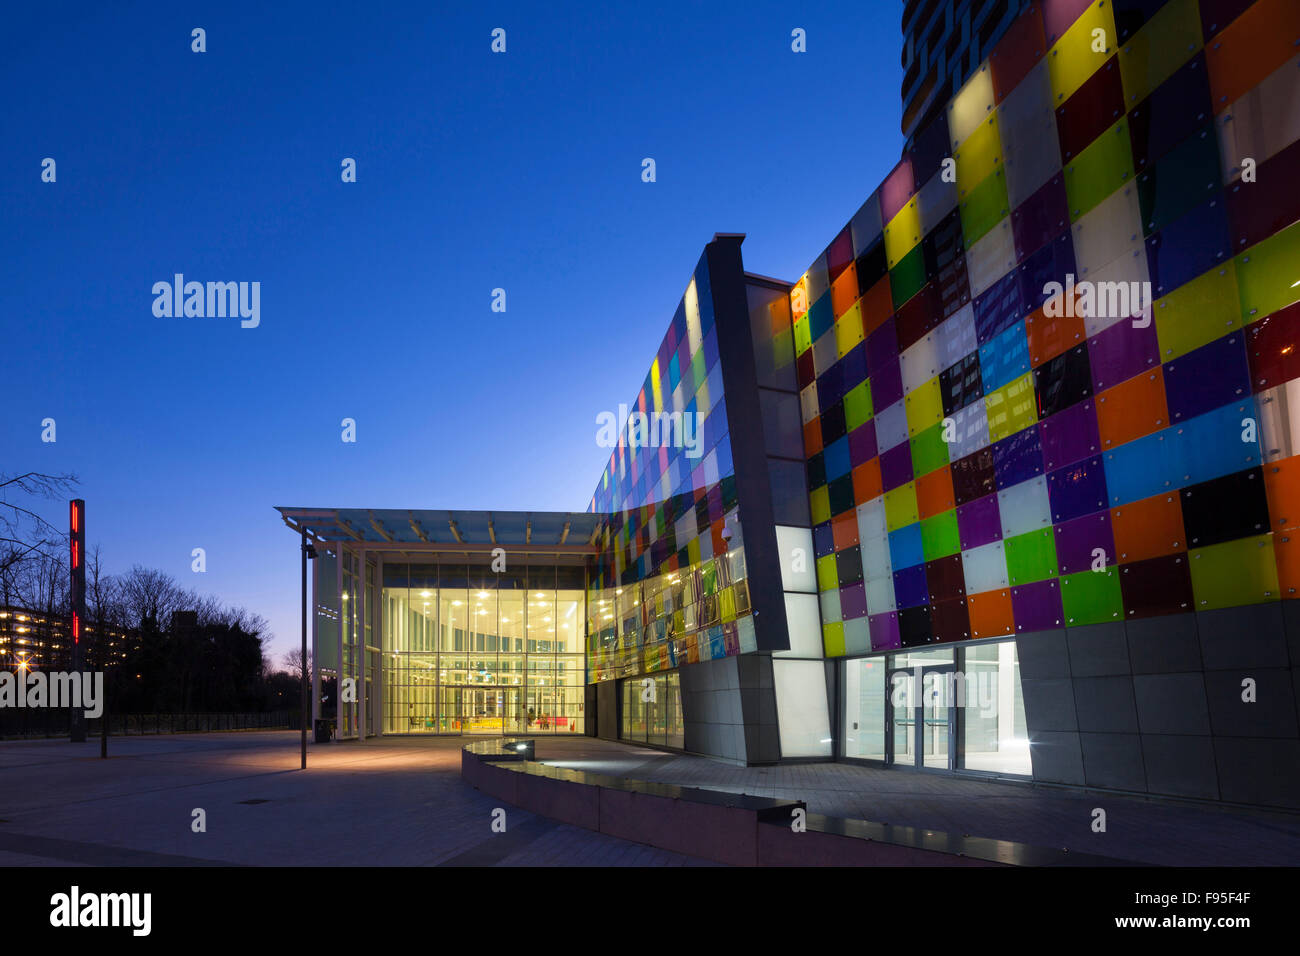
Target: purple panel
<point>830,386</point>
<point>1058,15</point>
<point>853,601</point>
<point>1048,264</point>
<point>897,189</point>
<point>1069,435</point>
<point>896,466</point>
<point>1207,378</point>
<point>999,307</point>
<point>1037,606</point>
<point>882,345</point>
<point>1120,352</point>
<point>979,522</point>
<point>854,364</point>
<point>862,443</point>
<point>823,540</point>
<point>1040,218</point>
<point>886,385</point>
<point>884,631</point>
<point>910,586</point>
<point>1075,541</point>
<point>1018,458</point>
<point>1078,489</point>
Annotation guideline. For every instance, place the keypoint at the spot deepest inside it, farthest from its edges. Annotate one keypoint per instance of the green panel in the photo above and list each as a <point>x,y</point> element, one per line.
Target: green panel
<point>1102,167</point>
<point>1198,312</point>
<point>827,578</point>
<point>1236,572</point>
<point>929,450</point>
<point>802,335</point>
<point>1184,178</point>
<point>1031,556</point>
<point>857,405</point>
<point>698,371</point>
<point>1091,597</point>
<point>984,207</point>
<point>900,507</point>
<point>820,500</point>
<point>1268,274</point>
<point>939,536</point>
<point>833,639</point>
<point>907,278</point>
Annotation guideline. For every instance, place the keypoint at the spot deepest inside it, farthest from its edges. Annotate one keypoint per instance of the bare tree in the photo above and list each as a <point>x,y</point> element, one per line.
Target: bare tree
<point>22,530</point>
<point>293,662</point>
<point>152,595</point>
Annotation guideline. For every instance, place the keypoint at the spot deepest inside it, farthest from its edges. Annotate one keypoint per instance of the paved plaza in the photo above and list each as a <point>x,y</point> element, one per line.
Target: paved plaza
<point>400,801</point>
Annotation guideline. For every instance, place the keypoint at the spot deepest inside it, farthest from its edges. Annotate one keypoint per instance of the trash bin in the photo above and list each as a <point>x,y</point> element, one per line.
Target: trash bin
<point>324,731</point>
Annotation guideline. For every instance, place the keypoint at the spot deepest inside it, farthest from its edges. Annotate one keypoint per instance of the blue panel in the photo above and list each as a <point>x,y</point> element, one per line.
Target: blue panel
<point>1018,458</point>
<point>1189,246</point>
<point>905,548</point>
<point>998,307</point>
<point>1077,489</point>
<point>823,540</point>
<point>1048,264</point>
<point>821,316</point>
<point>854,365</point>
<point>910,587</point>
<point>1206,378</point>
<point>1005,358</point>
<point>1210,446</point>
<point>837,458</point>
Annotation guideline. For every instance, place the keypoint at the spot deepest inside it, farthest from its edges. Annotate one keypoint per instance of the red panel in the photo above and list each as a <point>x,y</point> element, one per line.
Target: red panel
<point>1273,347</point>
<point>1259,209</point>
<point>1091,110</point>
<point>1253,46</point>
<point>1156,586</point>
<point>839,254</point>
<point>1058,15</point>
<point>897,189</point>
<point>1020,48</point>
<point>918,315</point>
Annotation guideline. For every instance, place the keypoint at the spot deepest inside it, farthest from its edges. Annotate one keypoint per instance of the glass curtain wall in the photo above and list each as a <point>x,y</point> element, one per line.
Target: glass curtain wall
<point>470,651</point>
<point>652,710</point>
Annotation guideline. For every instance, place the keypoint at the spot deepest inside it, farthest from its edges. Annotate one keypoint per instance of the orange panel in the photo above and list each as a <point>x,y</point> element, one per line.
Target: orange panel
<point>934,493</point>
<point>812,437</point>
<point>844,530</point>
<point>1252,47</point>
<point>866,481</point>
<point>1286,549</point>
<point>1282,485</point>
<point>1148,528</point>
<point>990,613</point>
<point>1132,409</point>
<point>844,290</point>
<point>1048,338</point>
<point>877,306</point>
<point>719,541</point>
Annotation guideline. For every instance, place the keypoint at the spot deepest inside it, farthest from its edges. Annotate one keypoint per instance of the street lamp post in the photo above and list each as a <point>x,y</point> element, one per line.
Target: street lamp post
<point>307,552</point>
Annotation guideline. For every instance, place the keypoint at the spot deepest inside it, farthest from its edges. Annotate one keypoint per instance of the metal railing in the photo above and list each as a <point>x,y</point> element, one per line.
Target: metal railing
<point>54,722</point>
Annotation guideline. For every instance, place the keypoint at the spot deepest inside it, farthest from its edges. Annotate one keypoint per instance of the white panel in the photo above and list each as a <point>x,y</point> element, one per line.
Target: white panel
<point>891,426</point>
<point>956,337</point>
<point>830,606</point>
<point>1131,267</point>
<point>818,279</point>
<point>971,106</point>
<point>808,405</point>
<point>866,227</point>
<point>1108,231</point>
<point>880,595</point>
<point>992,257</point>
<point>920,363</point>
<point>876,562</point>
<point>985,567</point>
<point>825,351</point>
<point>804,624</point>
<point>871,519</point>
<point>1025,507</point>
<point>798,566</point>
<point>1278,411</point>
<point>970,431</point>
<point>1262,122</point>
<point>935,200</point>
<point>1031,153</point>
<point>745,628</point>
<point>803,717</point>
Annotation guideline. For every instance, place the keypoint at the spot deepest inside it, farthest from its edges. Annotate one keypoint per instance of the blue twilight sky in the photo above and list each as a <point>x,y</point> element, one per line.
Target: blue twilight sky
<point>474,171</point>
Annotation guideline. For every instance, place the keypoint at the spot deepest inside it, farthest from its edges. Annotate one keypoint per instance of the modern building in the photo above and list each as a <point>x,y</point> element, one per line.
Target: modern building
<point>1006,483</point>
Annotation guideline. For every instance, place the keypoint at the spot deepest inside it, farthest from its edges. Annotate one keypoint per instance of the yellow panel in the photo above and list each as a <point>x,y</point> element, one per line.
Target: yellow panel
<point>903,233</point>
<point>900,507</point>
<point>980,155</point>
<point>820,499</point>
<point>1164,44</point>
<point>1198,312</point>
<point>971,106</point>
<point>848,330</point>
<point>924,407</point>
<point>1011,408</point>
<point>1072,60</point>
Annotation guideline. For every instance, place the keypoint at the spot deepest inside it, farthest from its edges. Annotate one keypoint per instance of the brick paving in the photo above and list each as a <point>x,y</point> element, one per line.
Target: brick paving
<point>390,801</point>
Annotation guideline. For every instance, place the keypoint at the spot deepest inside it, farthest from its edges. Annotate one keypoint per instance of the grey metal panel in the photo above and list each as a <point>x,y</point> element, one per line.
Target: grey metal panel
<point>1049,705</point>
<point>1259,771</point>
<point>1249,636</point>
<point>1057,757</point>
<point>1043,654</point>
<point>1172,704</point>
<point>1105,704</point>
<point>1164,645</point>
<point>1113,760</point>
<point>1291,618</point>
<point>1098,650</point>
<point>1180,766</point>
<point>1271,714</point>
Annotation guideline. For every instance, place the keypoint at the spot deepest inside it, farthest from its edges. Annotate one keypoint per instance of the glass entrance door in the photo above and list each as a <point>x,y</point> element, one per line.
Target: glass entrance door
<point>484,710</point>
<point>922,715</point>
